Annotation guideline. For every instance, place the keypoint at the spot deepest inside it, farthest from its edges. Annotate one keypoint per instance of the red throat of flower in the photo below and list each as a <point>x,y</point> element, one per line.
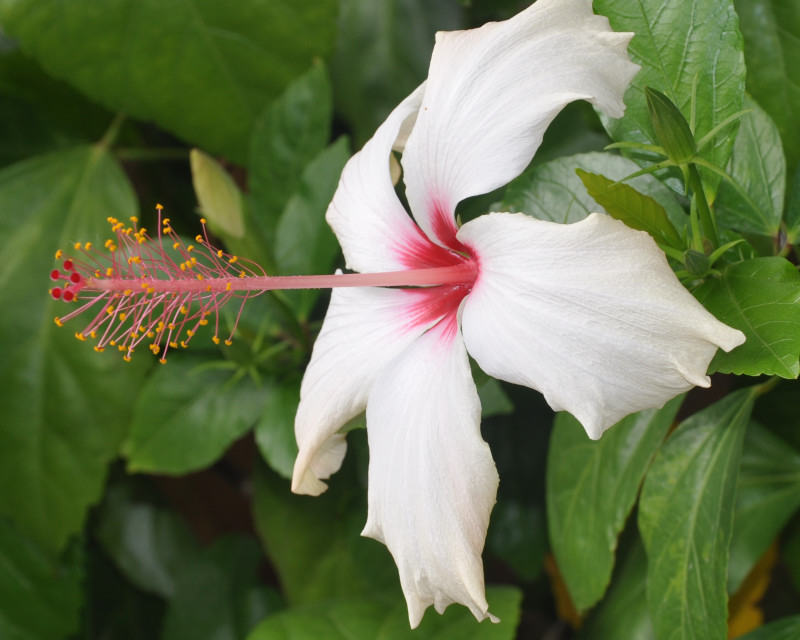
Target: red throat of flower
<point>160,291</point>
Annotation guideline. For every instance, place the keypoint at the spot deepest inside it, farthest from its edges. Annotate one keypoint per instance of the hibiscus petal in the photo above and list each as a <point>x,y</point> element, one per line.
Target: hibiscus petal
<point>363,331</point>
<point>590,314</point>
<point>492,92</point>
<point>372,226</point>
<point>432,481</point>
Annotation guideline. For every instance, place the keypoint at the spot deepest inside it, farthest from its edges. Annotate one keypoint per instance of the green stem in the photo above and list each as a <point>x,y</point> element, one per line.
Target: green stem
<point>707,221</point>
<point>112,132</point>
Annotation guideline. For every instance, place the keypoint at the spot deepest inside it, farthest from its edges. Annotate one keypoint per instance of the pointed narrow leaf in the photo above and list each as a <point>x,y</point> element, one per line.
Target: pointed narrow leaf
<point>65,408</point>
<point>587,508</point>
<point>638,211</point>
<point>553,191</point>
<point>760,298</point>
<point>758,166</point>
<point>686,518</point>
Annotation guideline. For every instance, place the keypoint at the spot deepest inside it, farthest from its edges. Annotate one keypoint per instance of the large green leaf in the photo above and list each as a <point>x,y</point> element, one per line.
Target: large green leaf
<point>759,168</point>
<point>623,613</point>
<point>369,618</point>
<point>758,297</point>
<point>767,497</point>
<point>304,243</point>
<point>792,214</point>
<point>591,488</point>
<point>290,133</point>
<point>40,598</point>
<point>315,544</point>
<point>218,596</point>
<point>149,543</point>
<point>203,70</point>
<point>64,407</point>
<point>275,429</point>
<point>686,518</point>
<point>382,54</point>
<point>553,191</point>
<point>680,46</point>
<point>771,30</point>
<point>189,414</point>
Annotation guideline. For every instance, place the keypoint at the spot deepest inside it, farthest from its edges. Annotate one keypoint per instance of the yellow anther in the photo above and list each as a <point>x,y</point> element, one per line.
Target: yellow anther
<point>228,342</point>
<point>162,360</point>
<point>183,344</point>
<point>126,358</point>
<point>199,277</point>
<point>215,340</point>
<point>165,221</point>
<point>87,246</point>
<point>171,326</point>
<point>80,336</point>
<point>175,245</point>
<point>59,253</point>
<point>113,343</point>
<point>190,247</point>
<point>208,288</point>
<point>193,260</point>
<point>109,272</point>
<point>99,349</point>
<point>183,266</point>
<point>151,334</point>
<point>109,309</point>
<point>189,333</point>
<point>93,334</point>
<point>167,229</point>
<point>155,349</point>
<point>242,274</point>
<point>111,219</point>
<point>122,347</point>
<point>233,259</point>
<point>160,325</point>
<point>219,253</point>
<point>203,322</point>
<point>134,219</point>
<point>77,246</point>
<point>159,207</point>
<point>173,344</point>
<point>96,274</point>
<point>198,238</point>
<point>227,286</point>
<point>202,220</point>
<point>58,321</point>
<point>184,310</point>
<point>127,292</point>
<point>122,317</point>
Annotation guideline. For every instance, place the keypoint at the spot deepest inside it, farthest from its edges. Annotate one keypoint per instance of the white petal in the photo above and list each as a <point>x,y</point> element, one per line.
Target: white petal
<point>492,92</point>
<point>364,329</point>
<point>590,314</point>
<point>432,481</point>
<point>372,226</point>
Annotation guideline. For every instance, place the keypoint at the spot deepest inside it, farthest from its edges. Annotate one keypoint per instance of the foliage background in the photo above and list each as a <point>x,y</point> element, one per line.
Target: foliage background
<point>140,500</point>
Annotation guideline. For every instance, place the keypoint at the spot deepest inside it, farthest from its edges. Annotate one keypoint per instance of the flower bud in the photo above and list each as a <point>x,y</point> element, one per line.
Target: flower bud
<point>670,127</point>
<point>219,197</point>
<point>696,263</point>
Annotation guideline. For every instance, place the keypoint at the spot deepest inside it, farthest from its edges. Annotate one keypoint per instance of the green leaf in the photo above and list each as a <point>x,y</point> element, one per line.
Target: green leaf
<point>771,30</point>
<point>315,543</point>
<point>396,37</point>
<point>218,596</point>
<point>370,617</point>
<point>707,55</point>
<point>219,198</point>
<point>39,597</point>
<point>758,297</point>
<point>686,518</point>
<point>623,613</point>
<point>65,408</point>
<point>304,243</point>
<point>638,211</point>
<point>275,430</point>
<point>150,544</point>
<point>767,496</point>
<point>518,535</point>
<point>784,629</point>
<point>792,215</point>
<point>759,168</point>
<point>188,415</point>
<point>202,70</point>
<point>591,489</point>
<point>290,133</point>
<point>553,191</point>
